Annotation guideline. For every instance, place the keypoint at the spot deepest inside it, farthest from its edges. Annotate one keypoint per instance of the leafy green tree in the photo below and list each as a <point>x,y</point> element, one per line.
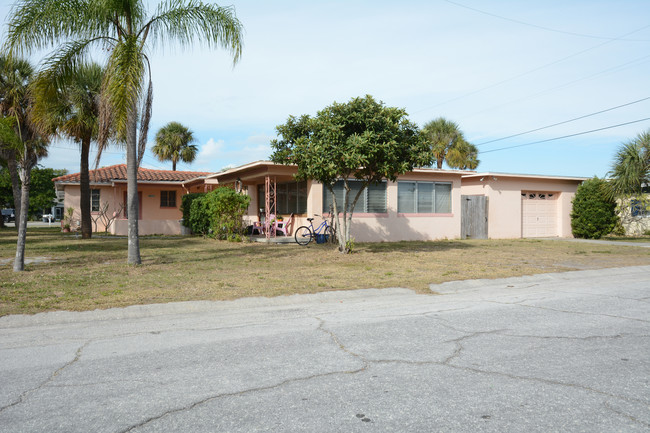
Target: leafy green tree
<point>173,143</point>
<point>41,192</point>
<point>360,139</point>
<point>69,105</point>
<point>126,31</point>
<point>448,144</point>
<point>594,212</point>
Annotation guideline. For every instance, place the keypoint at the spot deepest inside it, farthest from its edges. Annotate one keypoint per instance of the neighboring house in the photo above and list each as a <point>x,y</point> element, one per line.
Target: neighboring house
<point>159,194</point>
<point>424,204</point>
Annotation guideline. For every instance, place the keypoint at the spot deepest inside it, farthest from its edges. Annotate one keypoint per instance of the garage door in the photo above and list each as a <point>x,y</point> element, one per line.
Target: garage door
<point>539,214</point>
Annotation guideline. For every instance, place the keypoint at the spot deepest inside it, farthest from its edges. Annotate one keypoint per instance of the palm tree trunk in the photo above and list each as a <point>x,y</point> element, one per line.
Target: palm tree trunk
<point>84,200</point>
<point>19,262</point>
<point>173,165</point>
<point>133,256</point>
<point>12,166</point>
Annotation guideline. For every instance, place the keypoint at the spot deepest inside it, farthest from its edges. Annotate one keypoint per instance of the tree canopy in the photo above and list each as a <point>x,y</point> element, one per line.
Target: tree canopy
<point>631,167</point>
<point>361,139</point>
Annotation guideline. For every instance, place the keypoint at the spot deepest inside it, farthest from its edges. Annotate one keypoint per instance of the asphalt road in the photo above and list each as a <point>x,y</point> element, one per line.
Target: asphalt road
<point>557,352</point>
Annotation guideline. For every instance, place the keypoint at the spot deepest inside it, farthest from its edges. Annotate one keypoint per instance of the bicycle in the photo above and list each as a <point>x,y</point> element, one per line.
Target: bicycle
<point>305,234</point>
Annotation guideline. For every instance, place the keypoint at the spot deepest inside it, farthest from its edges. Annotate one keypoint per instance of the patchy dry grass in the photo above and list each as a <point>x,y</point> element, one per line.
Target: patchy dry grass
<point>89,274</point>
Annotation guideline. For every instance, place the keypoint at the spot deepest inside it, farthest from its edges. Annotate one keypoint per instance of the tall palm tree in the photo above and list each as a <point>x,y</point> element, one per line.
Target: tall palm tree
<point>15,76</point>
<point>19,135</point>
<point>127,32</point>
<point>631,168</point>
<point>449,145</point>
<point>72,110</point>
<point>173,144</point>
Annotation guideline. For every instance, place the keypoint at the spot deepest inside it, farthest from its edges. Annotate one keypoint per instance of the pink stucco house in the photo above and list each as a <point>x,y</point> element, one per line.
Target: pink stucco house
<point>159,194</point>
<point>425,204</point>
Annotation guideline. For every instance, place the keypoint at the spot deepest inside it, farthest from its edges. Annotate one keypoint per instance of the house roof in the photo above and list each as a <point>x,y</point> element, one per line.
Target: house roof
<point>118,173</point>
<point>527,176</point>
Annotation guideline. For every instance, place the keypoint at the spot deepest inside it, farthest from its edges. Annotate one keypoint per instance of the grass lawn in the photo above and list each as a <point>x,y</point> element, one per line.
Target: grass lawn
<point>90,274</point>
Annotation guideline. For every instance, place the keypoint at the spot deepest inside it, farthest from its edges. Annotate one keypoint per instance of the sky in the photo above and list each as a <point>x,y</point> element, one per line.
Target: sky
<point>497,68</point>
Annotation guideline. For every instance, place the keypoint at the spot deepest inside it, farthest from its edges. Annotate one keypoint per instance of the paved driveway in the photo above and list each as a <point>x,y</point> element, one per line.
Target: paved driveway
<point>557,352</point>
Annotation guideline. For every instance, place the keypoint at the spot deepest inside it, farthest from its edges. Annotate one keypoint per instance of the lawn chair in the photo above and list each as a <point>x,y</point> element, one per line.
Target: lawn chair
<point>285,226</point>
<point>259,227</point>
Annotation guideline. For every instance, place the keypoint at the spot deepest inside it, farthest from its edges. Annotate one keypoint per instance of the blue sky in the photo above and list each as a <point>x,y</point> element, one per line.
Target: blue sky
<point>497,68</point>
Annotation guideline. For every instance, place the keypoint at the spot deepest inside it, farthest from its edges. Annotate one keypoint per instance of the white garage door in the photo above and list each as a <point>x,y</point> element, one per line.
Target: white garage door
<point>539,214</point>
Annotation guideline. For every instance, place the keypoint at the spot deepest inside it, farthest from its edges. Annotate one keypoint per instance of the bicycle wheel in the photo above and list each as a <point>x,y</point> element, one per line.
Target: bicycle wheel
<point>303,235</point>
<point>331,234</point>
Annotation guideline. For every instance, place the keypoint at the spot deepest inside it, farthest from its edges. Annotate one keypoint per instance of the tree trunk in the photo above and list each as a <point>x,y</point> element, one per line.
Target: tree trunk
<point>12,166</point>
<point>19,262</point>
<point>84,199</point>
<point>133,257</point>
<point>173,165</point>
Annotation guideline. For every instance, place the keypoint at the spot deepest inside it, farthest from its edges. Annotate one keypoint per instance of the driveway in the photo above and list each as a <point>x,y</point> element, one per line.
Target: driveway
<point>556,352</point>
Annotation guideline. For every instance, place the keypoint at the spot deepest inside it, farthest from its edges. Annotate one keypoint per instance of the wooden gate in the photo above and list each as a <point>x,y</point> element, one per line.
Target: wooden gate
<point>474,217</point>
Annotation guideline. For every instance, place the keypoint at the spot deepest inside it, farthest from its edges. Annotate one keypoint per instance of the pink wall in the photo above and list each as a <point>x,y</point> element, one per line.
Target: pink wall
<point>505,202</point>
<point>154,219</point>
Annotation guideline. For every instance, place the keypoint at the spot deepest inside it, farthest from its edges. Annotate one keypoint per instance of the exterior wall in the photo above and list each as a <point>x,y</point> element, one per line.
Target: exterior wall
<point>393,226</point>
<point>154,219</point>
<point>634,225</point>
<point>505,204</point>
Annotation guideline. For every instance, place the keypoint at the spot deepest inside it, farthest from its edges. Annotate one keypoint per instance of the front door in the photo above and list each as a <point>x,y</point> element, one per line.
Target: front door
<point>474,220</point>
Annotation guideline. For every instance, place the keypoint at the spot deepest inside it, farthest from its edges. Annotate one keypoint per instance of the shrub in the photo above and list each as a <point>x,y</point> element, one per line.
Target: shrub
<point>219,213</point>
<point>593,214</point>
<point>186,203</point>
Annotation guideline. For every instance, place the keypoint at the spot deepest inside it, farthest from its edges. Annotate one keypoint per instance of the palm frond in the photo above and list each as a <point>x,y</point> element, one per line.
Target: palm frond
<point>41,24</point>
<point>144,122</point>
<point>188,22</point>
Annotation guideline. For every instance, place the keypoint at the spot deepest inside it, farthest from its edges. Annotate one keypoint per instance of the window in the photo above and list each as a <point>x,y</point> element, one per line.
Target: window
<point>94,200</point>
<point>167,198</point>
<point>423,197</point>
<point>291,197</point>
<point>372,200</point>
<point>639,208</point>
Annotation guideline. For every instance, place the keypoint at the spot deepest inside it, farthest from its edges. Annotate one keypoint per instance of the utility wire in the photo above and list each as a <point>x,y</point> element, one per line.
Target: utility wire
<point>561,86</point>
<point>582,35</point>
<point>562,123</point>
<point>565,136</point>
<point>523,74</point>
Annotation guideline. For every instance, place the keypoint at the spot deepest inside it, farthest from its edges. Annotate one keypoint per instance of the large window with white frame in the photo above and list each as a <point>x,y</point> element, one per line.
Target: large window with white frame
<point>423,197</point>
<point>372,200</point>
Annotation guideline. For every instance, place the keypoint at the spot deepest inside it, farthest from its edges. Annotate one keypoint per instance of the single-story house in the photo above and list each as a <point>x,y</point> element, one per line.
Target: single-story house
<point>424,204</point>
<point>159,193</point>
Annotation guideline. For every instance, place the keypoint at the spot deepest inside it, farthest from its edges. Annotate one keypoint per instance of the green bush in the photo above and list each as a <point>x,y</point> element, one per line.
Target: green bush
<point>219,213</point>
<point>593,214</point>
<point>186,203</point>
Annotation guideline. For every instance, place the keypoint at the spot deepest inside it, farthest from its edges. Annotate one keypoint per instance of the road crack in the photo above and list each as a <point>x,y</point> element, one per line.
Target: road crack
<point>57,372</point>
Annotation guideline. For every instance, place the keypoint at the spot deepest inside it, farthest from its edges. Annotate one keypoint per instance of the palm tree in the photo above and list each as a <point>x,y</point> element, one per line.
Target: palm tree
<point>127,32</point>
<point>631,168</point>
<point>71,108</point>
<point>449,145</point>
<point>21,138</point>
<point>173,144</point>
<point>15,76</point>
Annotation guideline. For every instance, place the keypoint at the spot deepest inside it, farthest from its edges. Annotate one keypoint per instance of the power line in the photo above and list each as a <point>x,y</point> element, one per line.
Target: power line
<point>561,86</point>
<point>582,35</point>
<point>523,74</point>
<point>566,121</point>
<point>565,136</point>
